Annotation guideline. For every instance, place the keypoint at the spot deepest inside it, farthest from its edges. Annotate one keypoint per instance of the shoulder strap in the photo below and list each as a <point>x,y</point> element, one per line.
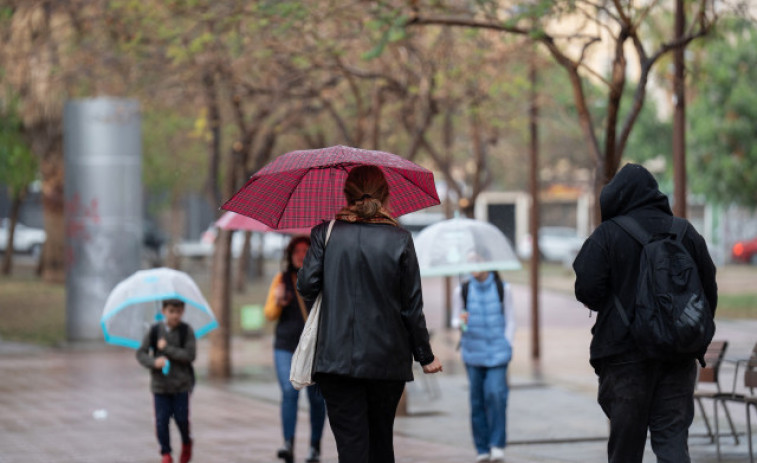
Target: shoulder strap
<point>300,301</point>
<point>500,291</point>
<point>678,228</point>
<point>621,311</point>
<point>183,329</point>
<point>632,227</point>
<point>328,232</point>
<point>154,337</point>
<point>464,292</point>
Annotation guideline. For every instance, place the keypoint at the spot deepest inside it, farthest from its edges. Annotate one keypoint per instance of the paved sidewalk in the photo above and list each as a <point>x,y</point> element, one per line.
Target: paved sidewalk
<point>91,403</point>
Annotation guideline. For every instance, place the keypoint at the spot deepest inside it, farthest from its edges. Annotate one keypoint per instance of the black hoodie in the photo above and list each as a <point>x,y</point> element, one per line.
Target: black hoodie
<point>608,262</point>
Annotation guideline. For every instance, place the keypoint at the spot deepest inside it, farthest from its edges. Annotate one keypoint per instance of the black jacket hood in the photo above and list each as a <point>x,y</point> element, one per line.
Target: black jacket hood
<point>633,187</point>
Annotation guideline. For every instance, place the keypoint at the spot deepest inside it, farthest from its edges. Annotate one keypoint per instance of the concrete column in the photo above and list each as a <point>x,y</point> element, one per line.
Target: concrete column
<point>102,150</point>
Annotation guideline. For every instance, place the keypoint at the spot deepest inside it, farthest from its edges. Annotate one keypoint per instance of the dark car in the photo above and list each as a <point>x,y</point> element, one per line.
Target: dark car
<point>745,251</point>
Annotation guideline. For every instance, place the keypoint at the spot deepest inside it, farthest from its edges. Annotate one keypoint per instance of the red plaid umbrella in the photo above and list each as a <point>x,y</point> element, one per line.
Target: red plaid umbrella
<point>303,188</point>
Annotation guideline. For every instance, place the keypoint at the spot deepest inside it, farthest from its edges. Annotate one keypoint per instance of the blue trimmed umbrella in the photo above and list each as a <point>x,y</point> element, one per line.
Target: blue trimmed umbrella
<point>135,304</point>
<point>461,245</point>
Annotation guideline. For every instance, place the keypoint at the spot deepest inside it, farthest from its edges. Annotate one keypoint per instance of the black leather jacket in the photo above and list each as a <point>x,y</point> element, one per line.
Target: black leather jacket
<point>372,322</point>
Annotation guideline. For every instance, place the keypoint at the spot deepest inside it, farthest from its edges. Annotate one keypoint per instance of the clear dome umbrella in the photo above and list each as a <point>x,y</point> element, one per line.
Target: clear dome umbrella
<point>461,245</point>
<point>135,304</point>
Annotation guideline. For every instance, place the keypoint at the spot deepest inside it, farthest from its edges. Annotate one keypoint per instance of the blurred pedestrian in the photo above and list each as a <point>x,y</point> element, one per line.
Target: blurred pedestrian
<point>173,346</point>
<point>637,392</point>
<point>286,306</point>
<point>372,323</point>
<point>483,308</point>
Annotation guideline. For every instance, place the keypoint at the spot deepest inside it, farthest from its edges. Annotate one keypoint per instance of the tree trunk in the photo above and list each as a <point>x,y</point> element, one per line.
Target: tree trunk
<point>679,117</point>
<point>12,220</point>
<point>243,264</point>
<point>173,260</point>
<point>535,219</point>
<point>220,339</point>
<point>53,255</point>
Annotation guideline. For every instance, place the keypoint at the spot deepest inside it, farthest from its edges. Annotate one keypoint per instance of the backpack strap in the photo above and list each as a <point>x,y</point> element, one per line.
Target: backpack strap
<point>183,329</point>
<point>632,227</point>
<point>154,338</point>
<point>500,291</point>
<point>464,290</point>
<point>678,228</point>
<point>621,311</point>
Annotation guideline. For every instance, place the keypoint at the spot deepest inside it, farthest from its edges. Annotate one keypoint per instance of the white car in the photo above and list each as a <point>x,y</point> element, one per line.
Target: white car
<point>557,244</point>
<point>25,239</point>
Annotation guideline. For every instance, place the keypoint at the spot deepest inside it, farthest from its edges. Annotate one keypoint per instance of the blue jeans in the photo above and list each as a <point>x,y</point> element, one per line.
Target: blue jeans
<point>166,406</point>
<point>488,406</point>
<point>290,396</point>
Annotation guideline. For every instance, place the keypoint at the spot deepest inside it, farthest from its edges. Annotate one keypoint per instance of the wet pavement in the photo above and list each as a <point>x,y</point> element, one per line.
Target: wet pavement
<point>91,402</point>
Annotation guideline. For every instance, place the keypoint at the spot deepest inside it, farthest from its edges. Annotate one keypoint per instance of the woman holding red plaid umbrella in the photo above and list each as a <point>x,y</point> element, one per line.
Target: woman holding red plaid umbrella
<point>372,323</point>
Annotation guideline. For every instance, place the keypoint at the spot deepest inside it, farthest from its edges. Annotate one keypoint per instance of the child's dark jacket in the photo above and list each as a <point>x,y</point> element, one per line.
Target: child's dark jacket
<point>180,377</point>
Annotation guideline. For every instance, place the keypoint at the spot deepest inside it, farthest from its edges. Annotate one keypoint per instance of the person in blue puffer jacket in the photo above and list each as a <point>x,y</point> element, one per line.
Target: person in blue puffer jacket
<point>483,309</point>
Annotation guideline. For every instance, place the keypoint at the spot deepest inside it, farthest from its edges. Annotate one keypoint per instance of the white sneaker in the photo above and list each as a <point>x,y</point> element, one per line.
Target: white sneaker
<point>482,457</point>
<point>497,454</point>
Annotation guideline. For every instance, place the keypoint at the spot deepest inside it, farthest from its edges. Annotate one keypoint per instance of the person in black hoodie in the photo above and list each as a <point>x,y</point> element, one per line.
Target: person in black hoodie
<point>638,394</point>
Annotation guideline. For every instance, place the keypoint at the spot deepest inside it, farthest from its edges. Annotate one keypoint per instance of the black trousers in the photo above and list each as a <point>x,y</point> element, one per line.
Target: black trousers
<point>361,414</point>
<point>641,395</point>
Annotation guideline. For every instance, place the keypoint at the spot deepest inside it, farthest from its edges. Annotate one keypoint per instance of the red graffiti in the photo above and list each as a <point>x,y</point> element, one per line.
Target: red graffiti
<point>78,217</point>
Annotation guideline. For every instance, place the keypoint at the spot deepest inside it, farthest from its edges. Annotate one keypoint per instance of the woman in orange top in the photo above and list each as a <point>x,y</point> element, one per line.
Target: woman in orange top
<point>285,305</point>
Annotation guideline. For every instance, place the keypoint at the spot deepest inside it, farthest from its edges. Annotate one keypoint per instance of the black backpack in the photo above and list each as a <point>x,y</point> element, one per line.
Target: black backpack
<point>183,330</point>
<point>672,318</point>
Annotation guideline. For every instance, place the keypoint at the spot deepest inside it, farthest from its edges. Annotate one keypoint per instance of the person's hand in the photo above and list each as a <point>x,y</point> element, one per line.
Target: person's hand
<point>282,298</point>
<point>162,343</point>
<point>160,362</point>
<point>464,318</point>
<point>433,367</point>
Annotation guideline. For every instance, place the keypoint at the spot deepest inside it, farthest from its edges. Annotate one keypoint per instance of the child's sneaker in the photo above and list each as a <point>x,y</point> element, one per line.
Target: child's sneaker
<point>482,457</point>
<point>497,454</point>
<point>186,453</point>
<point>166,458</point>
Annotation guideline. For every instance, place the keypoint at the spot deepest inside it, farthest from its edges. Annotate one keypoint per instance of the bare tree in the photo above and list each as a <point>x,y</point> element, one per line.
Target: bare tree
<point>570,31</point>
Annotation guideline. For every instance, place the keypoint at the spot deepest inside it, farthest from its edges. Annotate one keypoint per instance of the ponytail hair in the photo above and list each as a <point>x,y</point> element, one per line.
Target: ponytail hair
<point>367,190</point>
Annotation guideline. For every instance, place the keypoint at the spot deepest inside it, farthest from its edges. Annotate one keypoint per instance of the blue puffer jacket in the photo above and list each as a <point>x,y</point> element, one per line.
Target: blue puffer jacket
<point>484,343</point>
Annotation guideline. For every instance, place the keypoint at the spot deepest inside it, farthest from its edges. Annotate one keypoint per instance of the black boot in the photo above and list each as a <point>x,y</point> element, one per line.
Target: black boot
<point>314,455</point>
<point>286,452</point>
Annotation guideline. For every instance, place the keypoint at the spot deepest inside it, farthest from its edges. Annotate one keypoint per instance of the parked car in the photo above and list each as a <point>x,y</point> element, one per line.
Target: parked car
<point>25,239</point>
<point>745,251</point>
<point>557,244</point>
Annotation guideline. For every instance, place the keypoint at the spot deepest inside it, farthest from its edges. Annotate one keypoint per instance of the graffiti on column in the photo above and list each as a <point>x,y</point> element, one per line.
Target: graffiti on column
<point>82,221</point>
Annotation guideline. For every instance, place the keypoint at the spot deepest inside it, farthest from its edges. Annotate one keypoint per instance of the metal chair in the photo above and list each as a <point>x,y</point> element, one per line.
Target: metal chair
<point>710,375</point>
<point>749,400</point>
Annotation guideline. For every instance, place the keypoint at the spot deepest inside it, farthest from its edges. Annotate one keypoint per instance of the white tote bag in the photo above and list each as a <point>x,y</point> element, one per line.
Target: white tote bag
<point>301,373</point>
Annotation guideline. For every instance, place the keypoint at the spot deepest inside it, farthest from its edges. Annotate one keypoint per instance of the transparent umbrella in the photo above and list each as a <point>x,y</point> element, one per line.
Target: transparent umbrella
<point>462,245</point>
<point>135,304</point>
